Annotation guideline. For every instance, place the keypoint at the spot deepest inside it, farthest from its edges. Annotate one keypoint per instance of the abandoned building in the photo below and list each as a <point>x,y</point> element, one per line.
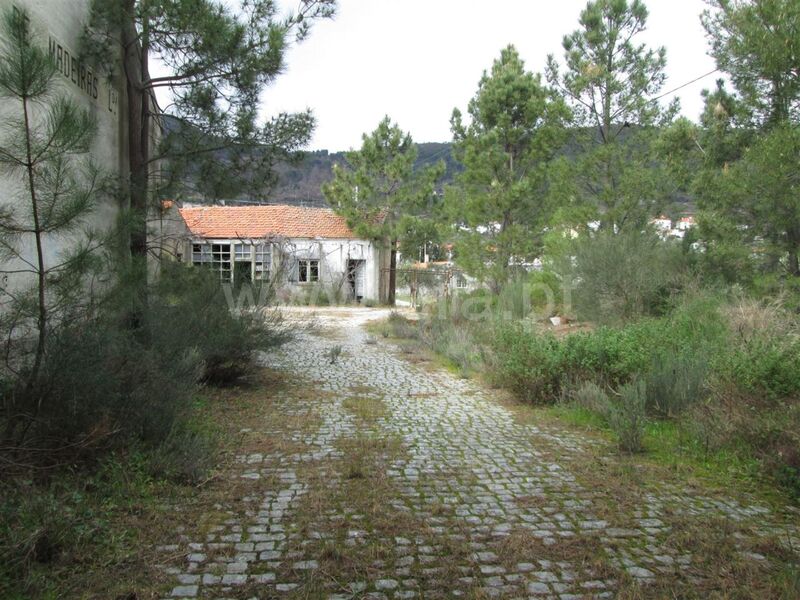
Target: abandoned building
<point>295,248</point>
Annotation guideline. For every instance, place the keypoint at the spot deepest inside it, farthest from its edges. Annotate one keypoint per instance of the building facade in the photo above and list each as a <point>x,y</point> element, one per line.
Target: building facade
<point>57,26</point>
<point>294,248</point>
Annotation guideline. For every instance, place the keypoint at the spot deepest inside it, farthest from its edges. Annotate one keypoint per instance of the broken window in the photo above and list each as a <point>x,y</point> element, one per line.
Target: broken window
<point>241,252</point>
<point>216,257</point>
<point>221,260</point>
<point>263,259</point>
<point>201,254</point>
<point>308,270</point>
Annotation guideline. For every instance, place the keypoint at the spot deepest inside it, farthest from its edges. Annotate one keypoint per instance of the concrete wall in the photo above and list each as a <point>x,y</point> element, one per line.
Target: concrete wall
<point>333,256</point>
<point>176,244</point>
<point>57,26</point>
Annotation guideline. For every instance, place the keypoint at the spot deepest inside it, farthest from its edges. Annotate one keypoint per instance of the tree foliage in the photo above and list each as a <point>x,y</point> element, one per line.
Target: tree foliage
<point>612,84</point>
<point>756,43</point>
<point>379,191</point>
<point>501,201</point>
<point>218,61</point>
<point>740,162</point>
<point>53,188</point>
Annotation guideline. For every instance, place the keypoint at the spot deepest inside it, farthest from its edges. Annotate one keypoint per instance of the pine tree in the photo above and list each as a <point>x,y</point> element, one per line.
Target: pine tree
<point>379,191</point>
<point>741,161</point>
<point>218,62</point>
<point>501,202</point>
<point>757,128</point>
<point>757,43</point>
<point>52,190</point>
<point>612,84</point>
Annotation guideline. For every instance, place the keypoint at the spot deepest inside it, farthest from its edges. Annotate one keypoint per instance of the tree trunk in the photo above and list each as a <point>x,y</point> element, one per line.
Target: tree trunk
<point>136,73</point>
<point>41,319</point>
<point>794,252</point>
<point>392,274</point>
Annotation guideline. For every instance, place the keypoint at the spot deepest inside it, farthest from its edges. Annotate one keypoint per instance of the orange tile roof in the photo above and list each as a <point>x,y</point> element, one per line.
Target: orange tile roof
<point>265,221</point>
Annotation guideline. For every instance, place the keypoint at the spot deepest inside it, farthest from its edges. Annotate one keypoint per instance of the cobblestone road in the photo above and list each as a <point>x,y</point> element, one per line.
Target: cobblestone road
<point>489,496</point>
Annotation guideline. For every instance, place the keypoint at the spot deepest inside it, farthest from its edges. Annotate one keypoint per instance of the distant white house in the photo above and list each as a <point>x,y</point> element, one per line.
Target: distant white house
<point>662,224</point>
<point>685,223</point>
<point>293,247</point>
<point>666,228</point>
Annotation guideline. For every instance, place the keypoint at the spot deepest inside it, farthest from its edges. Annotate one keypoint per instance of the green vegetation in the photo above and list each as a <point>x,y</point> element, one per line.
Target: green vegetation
<point>216,61</point>
<point>100,418</point>
<point>380,193</point>
<point>500,202</point>
<point>715,377</point>
<point>685,346</point>
<point>612,80</point>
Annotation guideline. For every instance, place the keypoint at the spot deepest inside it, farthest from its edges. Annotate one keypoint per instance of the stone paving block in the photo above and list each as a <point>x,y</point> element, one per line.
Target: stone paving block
<point>184,591</point>
<point>467,465</point>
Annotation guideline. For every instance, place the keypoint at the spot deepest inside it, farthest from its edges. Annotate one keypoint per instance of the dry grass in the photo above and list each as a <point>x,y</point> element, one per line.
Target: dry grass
<point>582,552</point>
<point>366,408</point>
<point>749,318</point>
<point>245,415</point>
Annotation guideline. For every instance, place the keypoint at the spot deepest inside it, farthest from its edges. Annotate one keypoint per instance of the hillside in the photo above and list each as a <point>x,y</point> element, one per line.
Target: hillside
<point>301,183</point>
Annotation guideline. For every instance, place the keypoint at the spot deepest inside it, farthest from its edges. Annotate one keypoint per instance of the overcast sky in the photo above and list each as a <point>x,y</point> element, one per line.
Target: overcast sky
<point>416,60</point>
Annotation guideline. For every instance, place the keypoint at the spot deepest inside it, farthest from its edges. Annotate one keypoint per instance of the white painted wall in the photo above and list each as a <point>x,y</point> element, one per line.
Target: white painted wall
<point>58,24</point>
<point>333,255</point>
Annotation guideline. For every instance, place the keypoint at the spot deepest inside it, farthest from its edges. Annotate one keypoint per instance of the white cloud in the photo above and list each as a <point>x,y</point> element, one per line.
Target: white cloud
<point>416,60</point>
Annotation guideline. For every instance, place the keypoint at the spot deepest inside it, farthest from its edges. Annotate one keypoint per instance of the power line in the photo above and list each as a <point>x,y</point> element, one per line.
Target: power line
<point>688,83</point>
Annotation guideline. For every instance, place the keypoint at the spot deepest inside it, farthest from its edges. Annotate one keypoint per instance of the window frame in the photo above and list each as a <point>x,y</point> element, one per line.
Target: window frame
<point>306,268</point>
<point>214,255</point>
<point>262,261</point>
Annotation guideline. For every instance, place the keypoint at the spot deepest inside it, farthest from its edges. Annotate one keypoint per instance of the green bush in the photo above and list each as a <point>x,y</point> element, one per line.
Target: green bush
<point>186,455</point>
<point>103,383</point>
<point>592,397</point>
<point>622,277</point>
<point>675,382</point>
<point>770,367</point>
<point>627,417</point>
<point>190,314</point>
<point>453,337</point>
<point>100,384</point>
<point>400,327</point>
<point>539,366</point>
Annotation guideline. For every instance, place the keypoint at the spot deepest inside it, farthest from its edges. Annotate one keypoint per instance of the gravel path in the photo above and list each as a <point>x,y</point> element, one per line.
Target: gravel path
<point>500,509</point>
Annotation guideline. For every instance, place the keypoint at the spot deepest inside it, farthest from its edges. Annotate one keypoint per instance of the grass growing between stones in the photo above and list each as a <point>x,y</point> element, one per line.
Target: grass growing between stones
<point>137,531</point>
<point>365,406</point>
<point>356,528</point>
<point>729,552</point>
<point>732,556</point>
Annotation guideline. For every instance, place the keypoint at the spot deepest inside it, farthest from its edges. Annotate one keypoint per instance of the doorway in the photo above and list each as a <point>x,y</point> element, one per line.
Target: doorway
<point>356,270</point>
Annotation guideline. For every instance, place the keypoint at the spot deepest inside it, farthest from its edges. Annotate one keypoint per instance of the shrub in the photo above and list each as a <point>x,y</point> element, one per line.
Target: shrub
<point>189,313</point>
<point>675,381</point>
<point>527,364</point>
<point>186,455</point>
<point>539,366</point>
<point>104,383</point>
<point>514,300</point>
<point>400,327</point>
<point>627,417</point>
<point>99,384</point>
<point>592,397</point>
<point>454,338</point>
<point>626,276</point>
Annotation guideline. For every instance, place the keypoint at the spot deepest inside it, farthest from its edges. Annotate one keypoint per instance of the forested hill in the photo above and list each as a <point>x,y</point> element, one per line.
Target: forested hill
<point>302,183</point>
